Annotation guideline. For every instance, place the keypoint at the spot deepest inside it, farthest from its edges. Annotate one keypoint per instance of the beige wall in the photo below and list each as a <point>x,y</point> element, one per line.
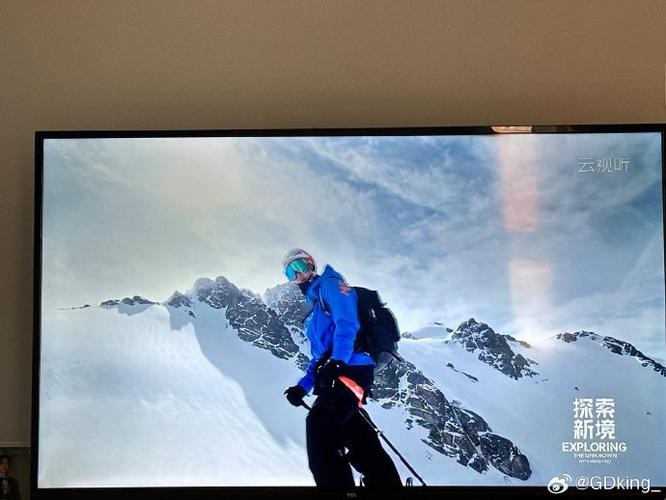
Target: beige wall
<point>192,64</point>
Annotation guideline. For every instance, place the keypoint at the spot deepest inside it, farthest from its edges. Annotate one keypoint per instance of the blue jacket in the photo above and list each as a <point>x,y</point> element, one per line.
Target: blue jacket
<point>335,327</point>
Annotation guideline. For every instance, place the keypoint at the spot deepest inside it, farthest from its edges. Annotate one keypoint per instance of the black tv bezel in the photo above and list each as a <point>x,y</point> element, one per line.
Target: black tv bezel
<point>278,492</point>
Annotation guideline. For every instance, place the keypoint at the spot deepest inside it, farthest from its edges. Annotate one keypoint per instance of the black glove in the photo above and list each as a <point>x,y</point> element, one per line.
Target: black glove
<point>329,372</point>
<point>295,395</point>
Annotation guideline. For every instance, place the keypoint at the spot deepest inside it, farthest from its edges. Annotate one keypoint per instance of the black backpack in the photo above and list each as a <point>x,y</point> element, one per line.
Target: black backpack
<point>378,334</point>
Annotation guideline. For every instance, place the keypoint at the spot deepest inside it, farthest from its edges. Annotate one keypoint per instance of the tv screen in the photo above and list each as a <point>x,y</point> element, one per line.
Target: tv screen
<point>194,288</point>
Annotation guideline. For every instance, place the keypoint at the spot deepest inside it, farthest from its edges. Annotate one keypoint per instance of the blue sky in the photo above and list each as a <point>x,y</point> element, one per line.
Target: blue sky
<point>505,229</point>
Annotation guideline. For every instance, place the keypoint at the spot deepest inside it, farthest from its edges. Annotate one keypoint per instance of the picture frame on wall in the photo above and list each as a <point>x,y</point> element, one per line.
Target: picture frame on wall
<point>15,472</point>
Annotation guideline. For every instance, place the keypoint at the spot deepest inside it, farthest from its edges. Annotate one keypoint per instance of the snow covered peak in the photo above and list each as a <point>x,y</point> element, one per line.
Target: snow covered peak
<point>620,347</point>
<point>201,285</point>
<point>436,330</point>
<point>473,335</point>
<point>493,348</point>
<point>573,337</point>
<point>133,301</point>
<point>217,294</point>
<point>177,299</point>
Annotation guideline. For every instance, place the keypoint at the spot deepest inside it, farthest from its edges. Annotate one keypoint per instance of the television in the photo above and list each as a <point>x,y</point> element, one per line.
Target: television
<point>523,268</point>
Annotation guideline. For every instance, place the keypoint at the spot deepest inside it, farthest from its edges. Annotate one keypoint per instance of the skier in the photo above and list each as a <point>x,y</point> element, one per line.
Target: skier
<point>341,379</point>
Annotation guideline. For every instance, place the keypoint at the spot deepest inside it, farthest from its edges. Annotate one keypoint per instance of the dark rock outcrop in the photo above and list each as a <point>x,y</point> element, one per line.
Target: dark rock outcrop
<point>133,301</point>
<point>493,349</point>
<point>254,321</point>
<point>453,430</point>
<point>179,300</point>
<point>471,377</point>
<point>505,456</point>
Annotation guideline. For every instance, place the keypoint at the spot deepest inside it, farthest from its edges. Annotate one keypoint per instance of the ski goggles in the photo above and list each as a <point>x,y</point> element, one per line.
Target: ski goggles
<point>297,266</point>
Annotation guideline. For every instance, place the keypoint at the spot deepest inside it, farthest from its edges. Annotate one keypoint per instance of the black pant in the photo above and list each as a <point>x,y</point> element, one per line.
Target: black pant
<point>333,424</point>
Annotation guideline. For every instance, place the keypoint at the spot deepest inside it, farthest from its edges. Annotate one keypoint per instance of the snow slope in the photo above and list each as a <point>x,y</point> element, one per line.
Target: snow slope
<point>537,412</point>
<point>134,400</point>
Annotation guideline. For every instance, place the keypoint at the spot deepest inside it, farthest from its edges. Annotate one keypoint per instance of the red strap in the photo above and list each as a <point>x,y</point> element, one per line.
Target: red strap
<point>354,387</point>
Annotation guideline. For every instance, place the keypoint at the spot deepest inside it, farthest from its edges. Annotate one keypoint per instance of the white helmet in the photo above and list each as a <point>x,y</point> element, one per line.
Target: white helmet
<point>298,253</point>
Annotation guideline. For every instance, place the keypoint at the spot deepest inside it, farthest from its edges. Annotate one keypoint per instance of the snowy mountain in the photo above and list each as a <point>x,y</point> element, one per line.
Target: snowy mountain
<point>493,349</point>
<point>128,385</point>
<point>436,330</point>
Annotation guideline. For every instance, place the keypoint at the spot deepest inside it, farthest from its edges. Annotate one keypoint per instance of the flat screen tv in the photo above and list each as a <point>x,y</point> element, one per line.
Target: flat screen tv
<point>192,288</point>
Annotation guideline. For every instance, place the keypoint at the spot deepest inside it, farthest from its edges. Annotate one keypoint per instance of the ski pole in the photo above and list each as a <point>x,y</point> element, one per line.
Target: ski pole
<point>381,434</point>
